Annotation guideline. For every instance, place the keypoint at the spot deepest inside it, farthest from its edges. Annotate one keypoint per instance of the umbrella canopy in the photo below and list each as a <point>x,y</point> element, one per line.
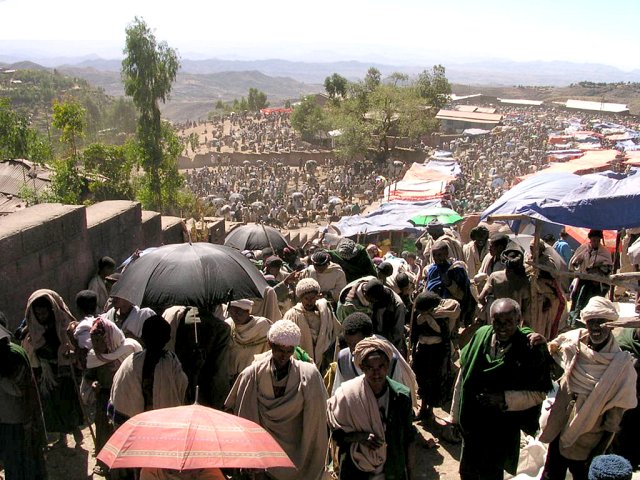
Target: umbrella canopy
<point>258,205</point>
<point>335,200</point>
<point>234,197</point>
<point>446,216</point>
<point>297,195</point>
<point>192,437</point>
<point>199,275</point>
<point>255,237</point>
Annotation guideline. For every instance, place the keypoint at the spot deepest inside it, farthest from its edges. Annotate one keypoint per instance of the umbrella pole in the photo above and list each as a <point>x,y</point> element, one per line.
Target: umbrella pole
<point>616,263</point>
<point>268,239</point>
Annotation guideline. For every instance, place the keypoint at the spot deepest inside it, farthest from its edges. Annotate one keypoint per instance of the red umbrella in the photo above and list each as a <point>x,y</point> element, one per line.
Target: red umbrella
<point>190,437</point>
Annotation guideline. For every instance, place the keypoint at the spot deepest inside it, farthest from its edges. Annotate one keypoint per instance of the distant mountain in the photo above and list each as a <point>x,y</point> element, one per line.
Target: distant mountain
<point>488,72</point>
<point>194,95</point>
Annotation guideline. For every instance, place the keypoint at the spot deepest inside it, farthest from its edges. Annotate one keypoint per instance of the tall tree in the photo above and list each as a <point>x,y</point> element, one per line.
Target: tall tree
<point>309,119</point>
<point>256,100</point>
<point>148,71</point>
<point>336,86</point>
<point>434,87</point>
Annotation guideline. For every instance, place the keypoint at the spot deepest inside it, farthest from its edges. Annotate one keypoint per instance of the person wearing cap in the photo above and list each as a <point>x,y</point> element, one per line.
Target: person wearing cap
<point>353,259</point>
<point>328,274</point>
<point>106,266</point>
<point>504,378</point>
<point>317,322</point>
<point>248,336</point>
<point>22,434</point>
<point>597,386</point>
<point>287,398</point>
<point>593,258</point>
<point>512,282</point>
<point>610,467</point>
<point>371,418</point>
<point>476,249</point>
<point>448,278</point>
<point>385,308</point>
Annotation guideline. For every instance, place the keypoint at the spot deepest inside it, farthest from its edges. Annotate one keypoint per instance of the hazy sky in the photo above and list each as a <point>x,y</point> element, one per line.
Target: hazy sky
<point>401,31</point>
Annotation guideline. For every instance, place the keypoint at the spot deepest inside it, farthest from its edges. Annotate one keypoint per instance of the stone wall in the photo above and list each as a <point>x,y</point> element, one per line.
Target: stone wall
<point>58,246</point>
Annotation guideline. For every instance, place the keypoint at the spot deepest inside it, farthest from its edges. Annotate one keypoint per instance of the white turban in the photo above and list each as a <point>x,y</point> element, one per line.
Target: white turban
<point>284,333</point>
<point>244,304</point>
<point>307,285</point>
<point>599,307</point>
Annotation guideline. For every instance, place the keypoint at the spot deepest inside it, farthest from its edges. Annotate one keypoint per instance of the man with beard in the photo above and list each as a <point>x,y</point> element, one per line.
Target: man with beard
<point>318,325</point>
<point>598,385</point>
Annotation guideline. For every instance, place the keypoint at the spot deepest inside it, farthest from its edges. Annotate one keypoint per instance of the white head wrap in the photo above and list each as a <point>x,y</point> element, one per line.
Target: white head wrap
<point>244,304</point>
<point>599,307</point>
<point>307,285</point>
<point>284,333</point>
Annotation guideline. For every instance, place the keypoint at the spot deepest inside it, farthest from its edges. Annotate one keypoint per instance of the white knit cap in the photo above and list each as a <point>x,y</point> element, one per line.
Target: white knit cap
<point>284,333</point>
<point>244,304</point>
<point>307,285</point>
<point>599,307</point>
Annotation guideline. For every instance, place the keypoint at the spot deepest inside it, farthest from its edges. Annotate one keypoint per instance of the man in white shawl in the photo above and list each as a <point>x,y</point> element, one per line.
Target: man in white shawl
<point>288,399</point>
<point>318,325</point>
<point>248,336</point>
<point>371,419</point>
<point>150,379</point>
<point>598,385</point>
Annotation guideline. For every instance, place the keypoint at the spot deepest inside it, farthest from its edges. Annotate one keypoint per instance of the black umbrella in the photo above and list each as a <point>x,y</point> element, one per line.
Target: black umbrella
<point>199,275</point>
<point>255,237</point>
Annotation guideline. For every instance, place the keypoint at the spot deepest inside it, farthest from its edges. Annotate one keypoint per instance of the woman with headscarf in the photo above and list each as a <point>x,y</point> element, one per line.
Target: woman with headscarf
<point>49,350</point>
<point>110,348</point>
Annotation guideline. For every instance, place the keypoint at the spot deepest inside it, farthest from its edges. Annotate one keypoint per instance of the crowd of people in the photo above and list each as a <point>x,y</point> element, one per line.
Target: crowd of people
<point>349,346</point>
<point>286,196</point>
<point>344,351</point>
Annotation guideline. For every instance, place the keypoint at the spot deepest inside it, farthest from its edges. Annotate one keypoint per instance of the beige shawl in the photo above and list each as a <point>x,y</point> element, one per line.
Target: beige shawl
<point>354,408</point>
<point>169,384</point>
<point>35,338</point>
<point>328,334</point>
<point>585,258</point>
<point>448,309</point>
<point>246,341</point>
<point>297,420</point>
<point>600,380</point>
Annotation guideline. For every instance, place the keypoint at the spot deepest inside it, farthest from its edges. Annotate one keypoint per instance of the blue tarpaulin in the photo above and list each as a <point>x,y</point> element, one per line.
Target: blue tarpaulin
<point>391,216</point>
<point>605,201</point>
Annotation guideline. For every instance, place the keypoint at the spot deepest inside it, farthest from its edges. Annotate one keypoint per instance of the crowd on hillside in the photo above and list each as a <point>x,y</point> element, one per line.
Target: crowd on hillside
<point>349,342</point>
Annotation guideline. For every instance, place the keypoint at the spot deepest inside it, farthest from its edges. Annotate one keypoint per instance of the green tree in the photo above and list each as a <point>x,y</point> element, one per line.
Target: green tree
<point>109,168</point>
<point>433,87</point>
<point>148,71</point>
<point>67,184</point>
<point>336,86</point>
<point>14,132</point>
<point>309,119</point>
<point>372,79</point>
<point>70,118</point>
<point>256,100</point>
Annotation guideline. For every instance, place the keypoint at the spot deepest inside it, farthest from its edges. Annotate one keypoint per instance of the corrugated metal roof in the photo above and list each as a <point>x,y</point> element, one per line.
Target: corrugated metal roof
<point>10,204</point>
<point>474,108</point>
<point>14,174</point>
<point>475,117</point>
<point>597,106</point>
<point>519,101</point>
